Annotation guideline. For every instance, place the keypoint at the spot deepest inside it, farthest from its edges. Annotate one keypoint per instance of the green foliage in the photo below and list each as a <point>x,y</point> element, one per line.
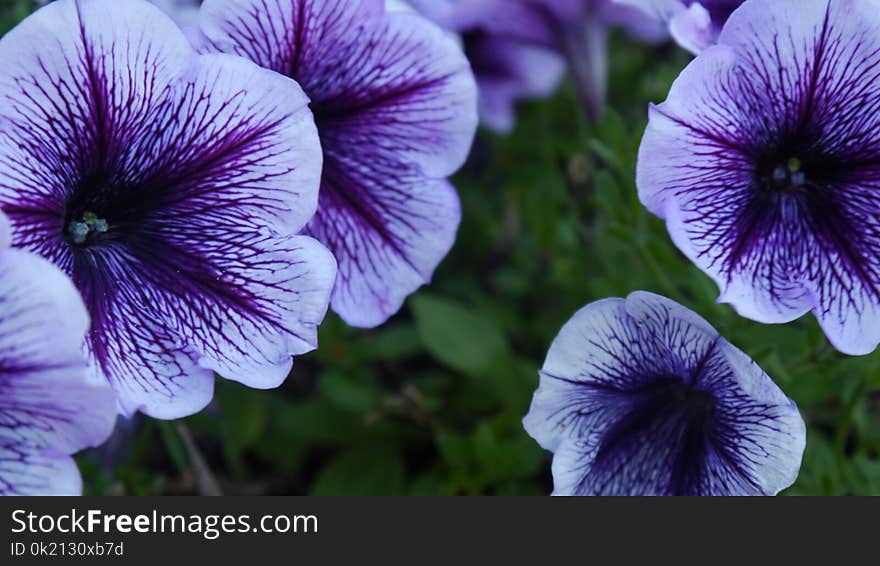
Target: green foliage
<point>462,339</point>
<point>432,402</point>
<point>11,12</point>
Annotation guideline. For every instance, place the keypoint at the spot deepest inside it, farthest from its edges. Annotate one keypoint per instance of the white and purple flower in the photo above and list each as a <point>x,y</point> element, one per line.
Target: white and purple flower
<point>693,24</point>
<point>170,186</point>
<point>764,163</point>
<point>48,410</point>
<point>640,396</point>
<point>395,103</point>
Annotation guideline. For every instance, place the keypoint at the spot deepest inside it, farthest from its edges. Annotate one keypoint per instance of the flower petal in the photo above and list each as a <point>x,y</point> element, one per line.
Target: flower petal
<point>47,409</point>
<point>245,306</point>
<point>30,470</point>
<point>388,241</point>
<point>692,28</point>
<point>151,369</point>
<point>509,71</point>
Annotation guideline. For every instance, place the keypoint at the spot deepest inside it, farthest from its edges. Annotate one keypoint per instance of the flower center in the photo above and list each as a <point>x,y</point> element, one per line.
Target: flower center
<point>788,176</point>
<point>87,228</point>
<point>667,412</point>
<point>695,402</point>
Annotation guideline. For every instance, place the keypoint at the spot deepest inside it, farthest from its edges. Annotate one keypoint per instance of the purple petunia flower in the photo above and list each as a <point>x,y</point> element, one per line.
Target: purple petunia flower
<point>47,409</point>
<point>395,103</point>
<point>520,49</point>
<point>640,396</point>
<point>170,186</point>
<point>695,25</point>
<point>762,162</point>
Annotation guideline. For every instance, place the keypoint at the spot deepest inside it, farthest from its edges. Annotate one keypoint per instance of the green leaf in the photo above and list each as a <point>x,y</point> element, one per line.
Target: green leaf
<point>349,392</point>
<point>458,336</point>
<point>318,421</point>
<point>368,470</point>
<point>393,341</point>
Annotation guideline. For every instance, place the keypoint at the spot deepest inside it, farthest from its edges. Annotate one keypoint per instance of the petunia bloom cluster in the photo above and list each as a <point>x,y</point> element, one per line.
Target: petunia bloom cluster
<point>189,204</point>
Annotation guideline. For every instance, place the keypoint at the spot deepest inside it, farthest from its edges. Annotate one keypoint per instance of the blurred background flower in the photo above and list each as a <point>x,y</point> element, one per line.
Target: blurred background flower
<point>695,25</point>
<point>521,49</point>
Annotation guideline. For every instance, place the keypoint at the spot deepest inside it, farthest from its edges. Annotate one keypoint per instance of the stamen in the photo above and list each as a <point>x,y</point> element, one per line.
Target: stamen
<point>80,230</point>
<point>780,174</point>
<point>788,176</point>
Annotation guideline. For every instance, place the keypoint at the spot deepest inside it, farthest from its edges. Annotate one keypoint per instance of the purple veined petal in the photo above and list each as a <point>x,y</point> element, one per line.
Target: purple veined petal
<point>252,336</point>
<point>151,369</point>
<point>36,471</point>
<point>641,396</point>
<point>395,104</point>
<point>762,163</point>
<point>695,25</point>
<point>170,192</point>
<point>387,247</point>
<point>48,410</point>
